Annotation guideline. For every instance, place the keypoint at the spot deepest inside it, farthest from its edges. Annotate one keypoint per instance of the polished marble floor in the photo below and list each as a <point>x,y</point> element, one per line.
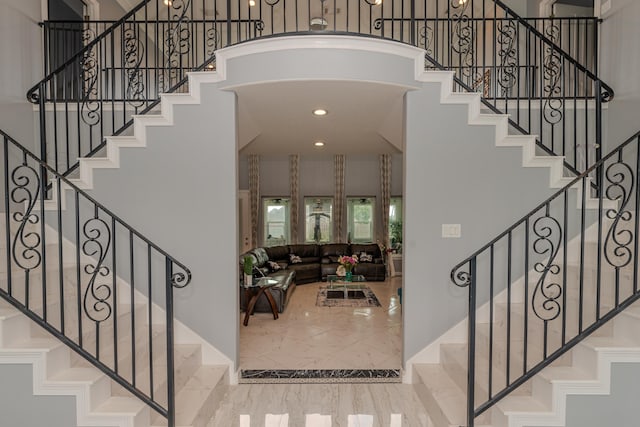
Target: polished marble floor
<point>321,405</point>
<point>310,337</point>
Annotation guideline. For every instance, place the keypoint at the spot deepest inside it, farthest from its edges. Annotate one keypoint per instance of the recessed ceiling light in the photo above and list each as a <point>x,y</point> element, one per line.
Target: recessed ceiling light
<point>320,112</point>
<point>319,144</point>
<point>167,2</point>
<point>252,3</point>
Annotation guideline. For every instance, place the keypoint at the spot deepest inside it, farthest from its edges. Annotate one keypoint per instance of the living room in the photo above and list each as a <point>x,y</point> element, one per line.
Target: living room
<point>346,151</point>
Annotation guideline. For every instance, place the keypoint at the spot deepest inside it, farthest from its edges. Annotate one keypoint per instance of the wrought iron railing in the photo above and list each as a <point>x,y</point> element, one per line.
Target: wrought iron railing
<point>519,66</point>
<point>551,279</point>
<point>73,267</point>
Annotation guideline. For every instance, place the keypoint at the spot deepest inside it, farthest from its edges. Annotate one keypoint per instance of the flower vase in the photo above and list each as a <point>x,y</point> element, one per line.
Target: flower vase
<point>348,276</point>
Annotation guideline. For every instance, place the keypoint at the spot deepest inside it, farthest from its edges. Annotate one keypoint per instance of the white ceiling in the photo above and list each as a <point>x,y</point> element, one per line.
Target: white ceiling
<point>276,118</point>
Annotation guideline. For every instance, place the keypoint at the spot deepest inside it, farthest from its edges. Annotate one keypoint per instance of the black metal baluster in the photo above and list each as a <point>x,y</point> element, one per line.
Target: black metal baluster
<point>171,388</point>
<point>7,217</point>
<point>526,297</point>
<point>471,368</point>
<point>491,320</point>
<point>508,358</point>
<point>565,208</point>
<point>583,205</point>
<point>150,319</point>
<point>114,284</point>
<point>132,288</point>
<point>78,267</point>
<point>43,192</point>
<point>60,255</point>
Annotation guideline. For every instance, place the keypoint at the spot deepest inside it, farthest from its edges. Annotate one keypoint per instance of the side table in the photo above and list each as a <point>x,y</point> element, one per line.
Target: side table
<point>254,291</point>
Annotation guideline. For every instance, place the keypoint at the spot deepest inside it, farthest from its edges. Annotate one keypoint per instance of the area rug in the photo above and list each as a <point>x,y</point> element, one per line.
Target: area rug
<point>356,298</point>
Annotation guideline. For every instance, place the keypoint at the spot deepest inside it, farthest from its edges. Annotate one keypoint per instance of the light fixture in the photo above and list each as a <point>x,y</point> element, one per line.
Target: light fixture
<point>320,112</point>
<point>167,2</point>
<point>319,144</point>
<point>318,24</point>
<point>252,3</point>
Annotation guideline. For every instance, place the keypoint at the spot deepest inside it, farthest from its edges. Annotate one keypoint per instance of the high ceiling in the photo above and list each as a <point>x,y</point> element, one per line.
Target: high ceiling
<point>276,118</point>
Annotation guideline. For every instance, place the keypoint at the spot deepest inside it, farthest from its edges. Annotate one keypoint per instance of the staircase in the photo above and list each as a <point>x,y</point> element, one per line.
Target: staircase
<point>523,363</point>
<point>552,303</point>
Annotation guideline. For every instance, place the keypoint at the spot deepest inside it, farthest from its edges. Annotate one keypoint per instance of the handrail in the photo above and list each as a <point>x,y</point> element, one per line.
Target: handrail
<point>575,271</point>
<point>84,50</point>
<point>607,95</point>
<point>92,250</point>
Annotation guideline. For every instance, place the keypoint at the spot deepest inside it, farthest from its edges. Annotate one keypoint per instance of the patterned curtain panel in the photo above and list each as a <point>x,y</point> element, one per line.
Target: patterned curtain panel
<point>339,197</point>
<point>294,183</point>
<point>254,194</point>
<point>385,191</point>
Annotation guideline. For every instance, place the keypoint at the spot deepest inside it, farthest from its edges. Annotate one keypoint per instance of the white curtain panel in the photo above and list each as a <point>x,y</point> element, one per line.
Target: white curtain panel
<point>338,196</point>
<point>294,183</point>
<point>254,194</point>
<point>385,192</point>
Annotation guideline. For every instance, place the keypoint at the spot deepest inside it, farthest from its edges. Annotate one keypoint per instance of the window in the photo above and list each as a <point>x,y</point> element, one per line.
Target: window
<point>318,223</point>
<point>276,221</point>
<point>360,220</point>
<point>395,222</point>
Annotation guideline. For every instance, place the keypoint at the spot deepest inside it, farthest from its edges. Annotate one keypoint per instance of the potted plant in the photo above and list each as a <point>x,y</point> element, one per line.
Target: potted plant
<point>247,266</point>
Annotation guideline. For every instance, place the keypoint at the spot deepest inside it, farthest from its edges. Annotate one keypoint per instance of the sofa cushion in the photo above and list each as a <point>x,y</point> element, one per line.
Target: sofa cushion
<point>370,248</point>
<point>294,259</point>
<point>261,256</point>
<point>334,250</point>
<point>278,253</point>
<point>304,251</point>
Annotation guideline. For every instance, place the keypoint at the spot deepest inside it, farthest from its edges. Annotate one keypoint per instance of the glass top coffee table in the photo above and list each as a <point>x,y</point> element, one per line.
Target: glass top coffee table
<point>338,287</point>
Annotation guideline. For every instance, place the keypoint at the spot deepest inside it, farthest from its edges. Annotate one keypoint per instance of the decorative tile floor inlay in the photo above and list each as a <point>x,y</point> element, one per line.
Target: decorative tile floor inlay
<point>319,376</point>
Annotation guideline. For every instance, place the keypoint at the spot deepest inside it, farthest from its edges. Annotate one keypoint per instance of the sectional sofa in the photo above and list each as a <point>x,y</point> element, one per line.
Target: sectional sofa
<point>294,265</point>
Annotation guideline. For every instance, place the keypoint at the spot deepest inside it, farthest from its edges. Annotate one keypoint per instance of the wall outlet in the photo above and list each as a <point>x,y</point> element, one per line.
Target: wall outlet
<point>451,231</point>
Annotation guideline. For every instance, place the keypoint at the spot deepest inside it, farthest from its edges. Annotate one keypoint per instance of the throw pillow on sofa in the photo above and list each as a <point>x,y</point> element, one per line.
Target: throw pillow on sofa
<point>294,259</point>
<point>274,266</point>
<point>364,257</point>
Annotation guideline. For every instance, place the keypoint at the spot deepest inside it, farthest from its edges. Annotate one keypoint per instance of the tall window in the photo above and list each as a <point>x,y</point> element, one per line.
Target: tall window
<point>318,219</point>
<point>360,219</point>
<point>395,222</point>
<point>276,221</point>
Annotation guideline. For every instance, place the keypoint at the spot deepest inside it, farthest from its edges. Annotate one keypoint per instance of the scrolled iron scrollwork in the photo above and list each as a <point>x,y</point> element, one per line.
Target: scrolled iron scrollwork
<point>90,106</point>
<point>212,41</point>
<point>617,244</point>
<point>96,302</point>
<point>177,39</point>
<point>462,37</point>
<point>133,55</point>
<point>272,3</point>
<point>508,71</point>
<point>259,26</point>
<point>377,24</point>
<point>460,276</point>
<point>547,292</point>
<point>425,38</point>
<point>25,246</point>
<point>552,75</point>
<point>182,278</point>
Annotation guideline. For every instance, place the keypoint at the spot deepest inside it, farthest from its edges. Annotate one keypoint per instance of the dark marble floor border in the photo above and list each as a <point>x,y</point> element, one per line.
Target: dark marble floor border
<point>289,376</point>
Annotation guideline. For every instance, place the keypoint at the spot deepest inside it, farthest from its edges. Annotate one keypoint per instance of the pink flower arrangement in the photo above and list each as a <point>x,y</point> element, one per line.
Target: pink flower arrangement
<point>348,261</point>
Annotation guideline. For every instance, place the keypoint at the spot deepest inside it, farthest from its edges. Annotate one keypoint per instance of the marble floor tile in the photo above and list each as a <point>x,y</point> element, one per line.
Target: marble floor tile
<point>312,405</point>
<point>309,337</point>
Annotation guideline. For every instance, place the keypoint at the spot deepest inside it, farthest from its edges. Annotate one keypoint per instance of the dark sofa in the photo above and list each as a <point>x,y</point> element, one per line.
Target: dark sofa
<point>313,264</point>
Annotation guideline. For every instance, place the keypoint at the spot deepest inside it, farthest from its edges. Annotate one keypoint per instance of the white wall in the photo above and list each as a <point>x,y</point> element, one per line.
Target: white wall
<point>21,53</point>
<point>20,408</point>
<point>619,65</point>
<point>617,409</point>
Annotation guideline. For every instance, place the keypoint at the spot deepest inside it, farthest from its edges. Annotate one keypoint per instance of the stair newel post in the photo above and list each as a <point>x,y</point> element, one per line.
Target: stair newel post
<point>43,135</point>
<point>472,344</point>
<point>171,392</point>
<point>598,98</point>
